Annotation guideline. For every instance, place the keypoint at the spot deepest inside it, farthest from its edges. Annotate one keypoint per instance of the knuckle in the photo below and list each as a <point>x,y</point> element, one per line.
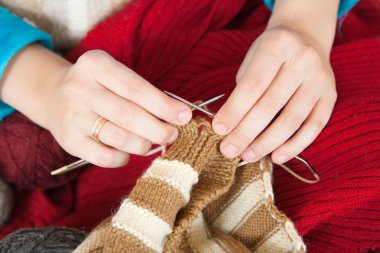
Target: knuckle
<point>307,57</point>
<point>70,87</point>
<point>124,160</point>
<point>259,149</point>
<point>294,120</point>
<point>270,105</point>
<point>124,115</point>
<point>117,139</point>
<point>144,148</point>
<point>278,39</point>
<point>92,57</point>
<point>283,35</point>
<point>319,123</point>
<point>165,136</point>
<point>133,90</point>
<point>323,78</point>
<point>241,140</point>
<point>251,81</point>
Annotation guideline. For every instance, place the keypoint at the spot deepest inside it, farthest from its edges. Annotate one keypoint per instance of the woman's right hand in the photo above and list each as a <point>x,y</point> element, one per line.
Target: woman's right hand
<point>138,113</point>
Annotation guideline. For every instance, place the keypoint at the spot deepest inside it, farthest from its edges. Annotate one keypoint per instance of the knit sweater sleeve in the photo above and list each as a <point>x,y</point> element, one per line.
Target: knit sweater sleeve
<point>15,34</point>
<point>344,6</point>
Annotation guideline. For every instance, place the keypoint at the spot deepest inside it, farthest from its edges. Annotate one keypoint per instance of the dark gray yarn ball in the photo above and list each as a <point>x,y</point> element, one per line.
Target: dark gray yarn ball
<point>42,240</point>
<point>6,202</point>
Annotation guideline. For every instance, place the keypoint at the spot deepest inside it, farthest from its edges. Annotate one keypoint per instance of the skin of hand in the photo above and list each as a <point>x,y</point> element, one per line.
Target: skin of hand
<point>67,99</point>
<point>285,88</point>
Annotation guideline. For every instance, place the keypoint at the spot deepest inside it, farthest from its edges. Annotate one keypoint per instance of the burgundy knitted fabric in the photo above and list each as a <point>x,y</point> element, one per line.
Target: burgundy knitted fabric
<point>29,153</point>
<point>194,48</point>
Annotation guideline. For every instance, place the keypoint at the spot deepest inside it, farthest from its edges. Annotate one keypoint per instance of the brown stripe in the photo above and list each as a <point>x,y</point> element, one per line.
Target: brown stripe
<point>195,145</point>
<point>214,180</point>
<point>256,227</point>
<point>243,177</point>
<point>227,242</point>
<point>266,164</point>
<point>158,197</point>
<point>121,241</point>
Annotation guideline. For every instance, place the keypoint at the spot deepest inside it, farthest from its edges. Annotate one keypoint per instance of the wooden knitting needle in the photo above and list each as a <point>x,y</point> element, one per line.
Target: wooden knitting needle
<point>69,167</point>
<point>80,163</point>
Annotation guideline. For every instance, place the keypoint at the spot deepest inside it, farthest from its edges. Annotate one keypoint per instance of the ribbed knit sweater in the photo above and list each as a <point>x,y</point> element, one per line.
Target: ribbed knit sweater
<point>193,199</point>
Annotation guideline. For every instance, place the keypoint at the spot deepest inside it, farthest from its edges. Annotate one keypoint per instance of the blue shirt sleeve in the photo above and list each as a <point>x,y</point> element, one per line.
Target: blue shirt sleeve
<point>15,34</point>
<point>344,6</point>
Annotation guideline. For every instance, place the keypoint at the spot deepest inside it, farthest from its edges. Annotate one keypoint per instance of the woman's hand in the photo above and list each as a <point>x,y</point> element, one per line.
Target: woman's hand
<point>284,97</point>
<point>67,99</point>
<point>137,112</point>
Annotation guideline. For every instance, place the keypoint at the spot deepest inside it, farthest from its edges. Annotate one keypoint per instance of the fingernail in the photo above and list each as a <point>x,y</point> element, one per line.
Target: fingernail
<point>184,116</point>
<point>249,156</point>
<point>281,159</point>
<point>220,129</point>
<point>230,151</point>
<point>173,137</point>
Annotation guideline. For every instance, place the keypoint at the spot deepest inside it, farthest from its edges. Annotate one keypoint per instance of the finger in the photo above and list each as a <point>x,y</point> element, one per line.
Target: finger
<point>261,114</point>
<point>111,134</point>
<point>258,75</point>
<point>98,153</point>
<point>118,138</point>
<point>311,128</point>
<point>287,123</point>
<point>129,85</point>
<point>132,118</point>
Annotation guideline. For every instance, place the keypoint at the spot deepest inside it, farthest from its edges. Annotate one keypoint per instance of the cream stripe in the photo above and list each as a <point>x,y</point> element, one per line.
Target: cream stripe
<point>199,238</point>
<point>294,236</point>
<point>77,18</point>
<point>268,192</point>
<point>175,173</point>
<point>143,224</point>
<point>278,242</point>
<point>238,209</point>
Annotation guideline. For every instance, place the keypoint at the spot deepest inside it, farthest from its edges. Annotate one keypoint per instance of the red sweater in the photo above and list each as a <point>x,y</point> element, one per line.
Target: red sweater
<point>194,48</point>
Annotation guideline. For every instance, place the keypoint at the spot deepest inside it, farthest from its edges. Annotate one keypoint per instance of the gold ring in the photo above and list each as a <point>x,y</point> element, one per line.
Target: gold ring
<point>97,126</point>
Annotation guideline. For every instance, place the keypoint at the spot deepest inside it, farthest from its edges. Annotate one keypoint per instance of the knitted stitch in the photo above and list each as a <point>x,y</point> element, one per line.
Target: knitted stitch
<point>193,199</point>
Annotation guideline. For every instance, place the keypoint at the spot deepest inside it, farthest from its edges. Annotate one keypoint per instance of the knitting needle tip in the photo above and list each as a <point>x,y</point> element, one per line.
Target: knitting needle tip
<point>59,171</point>
<point>69,167</point>
<point>190,104</point>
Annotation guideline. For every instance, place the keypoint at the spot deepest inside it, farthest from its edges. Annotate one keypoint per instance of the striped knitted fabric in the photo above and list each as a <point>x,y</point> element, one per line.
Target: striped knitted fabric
<point>193,199</point>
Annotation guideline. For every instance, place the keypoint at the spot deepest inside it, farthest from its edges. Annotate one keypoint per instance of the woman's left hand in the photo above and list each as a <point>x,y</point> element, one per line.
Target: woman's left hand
<point>284,97</point>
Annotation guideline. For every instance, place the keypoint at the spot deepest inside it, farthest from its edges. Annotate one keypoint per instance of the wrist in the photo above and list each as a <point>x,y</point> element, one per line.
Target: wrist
<point>30,79</point>
<point>313,20</point>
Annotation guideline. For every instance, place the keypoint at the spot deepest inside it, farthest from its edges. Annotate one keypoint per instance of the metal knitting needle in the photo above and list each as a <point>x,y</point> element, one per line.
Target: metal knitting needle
<point>163,148</point>
<point>198,107</point>
<point>208,102</point>
<point>286,168</point>
<point>81,162</point>
<point>291,172</point>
